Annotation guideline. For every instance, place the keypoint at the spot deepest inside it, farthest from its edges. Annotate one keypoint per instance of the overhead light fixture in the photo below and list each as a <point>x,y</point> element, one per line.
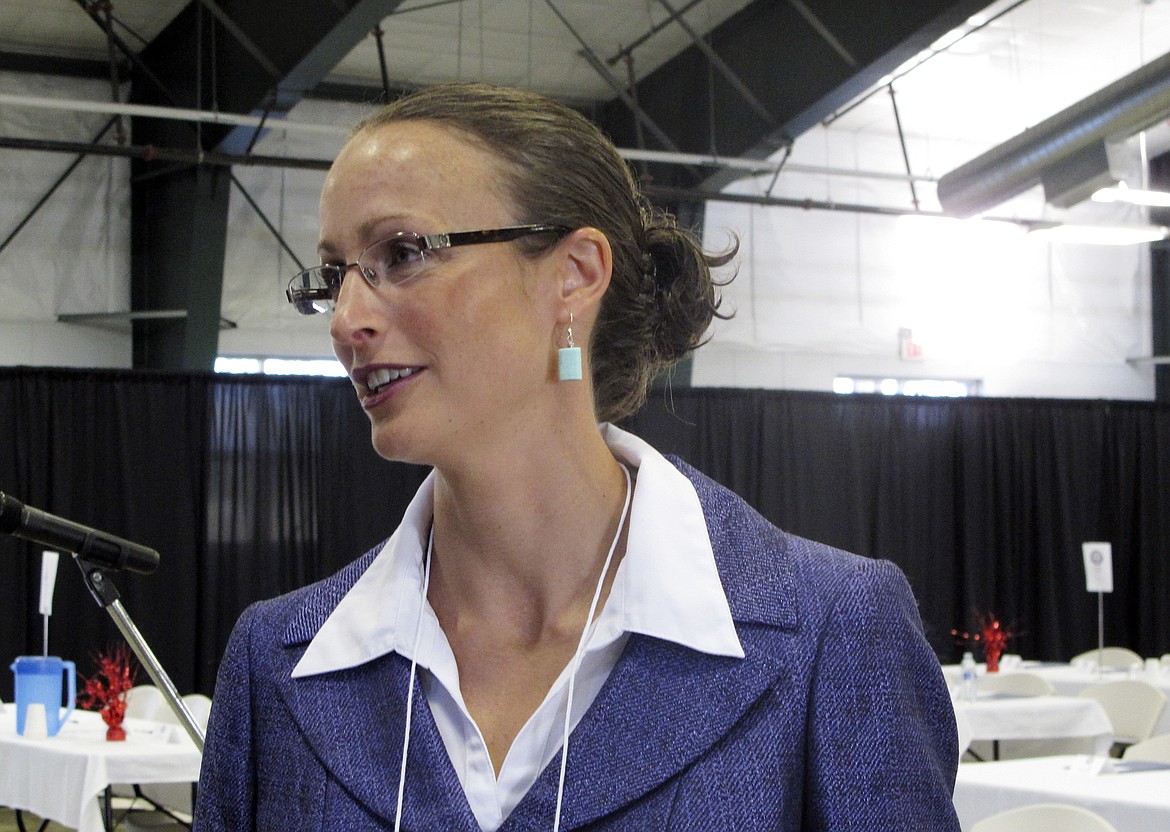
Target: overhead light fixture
<point>1078,176</point>
<point>1099,235</point>
<point>1133,196</point>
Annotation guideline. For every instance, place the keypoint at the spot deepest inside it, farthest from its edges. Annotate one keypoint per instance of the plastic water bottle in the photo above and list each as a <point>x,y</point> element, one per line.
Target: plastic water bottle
<point>967,691</point>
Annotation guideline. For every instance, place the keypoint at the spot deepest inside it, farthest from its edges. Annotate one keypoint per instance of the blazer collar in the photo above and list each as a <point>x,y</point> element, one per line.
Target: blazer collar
<point>752,555</point>
<point>661,696</point>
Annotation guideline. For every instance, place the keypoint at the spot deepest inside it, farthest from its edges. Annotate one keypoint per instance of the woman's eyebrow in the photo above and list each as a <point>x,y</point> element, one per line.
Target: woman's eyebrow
<point>368,232</point>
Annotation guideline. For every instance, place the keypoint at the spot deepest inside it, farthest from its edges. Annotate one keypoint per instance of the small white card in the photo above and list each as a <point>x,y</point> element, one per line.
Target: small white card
<point>1098,566</point>
<point>1090,765</point>
<point>48,580</point>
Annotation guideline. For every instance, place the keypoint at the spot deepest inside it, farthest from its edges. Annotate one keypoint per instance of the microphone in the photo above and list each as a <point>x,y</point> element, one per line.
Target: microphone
<point>96,547</point>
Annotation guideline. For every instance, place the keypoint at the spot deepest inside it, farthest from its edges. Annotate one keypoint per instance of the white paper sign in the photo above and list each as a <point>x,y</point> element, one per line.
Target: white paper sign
<point>1098,566</point>
<point>48,580</point>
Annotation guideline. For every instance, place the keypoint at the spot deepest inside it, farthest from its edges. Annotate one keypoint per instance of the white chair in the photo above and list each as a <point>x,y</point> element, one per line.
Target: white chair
<point>157,805</point>
<point>1118,658</point>
<point>145,702</point>
<point>173,803</point>
<point>200,707</point>
<point>1019,684</point>
<point>142,702</point>
<point>1154,750</point>
<point>1045,817</point>
<point>963,727</point>
<point>1133,707</point>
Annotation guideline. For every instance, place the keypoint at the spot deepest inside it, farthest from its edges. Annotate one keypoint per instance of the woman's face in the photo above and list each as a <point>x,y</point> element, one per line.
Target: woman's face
<point>456,357</point>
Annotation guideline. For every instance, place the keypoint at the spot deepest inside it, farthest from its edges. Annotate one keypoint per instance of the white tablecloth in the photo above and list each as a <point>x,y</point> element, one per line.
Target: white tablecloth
<point>63,777</point>
<point>1133,801</point>
<point>1006,717</point>
<point>1070,681</point>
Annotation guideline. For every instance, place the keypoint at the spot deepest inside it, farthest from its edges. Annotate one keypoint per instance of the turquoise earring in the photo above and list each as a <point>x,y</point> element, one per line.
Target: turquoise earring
<point>569,357</point>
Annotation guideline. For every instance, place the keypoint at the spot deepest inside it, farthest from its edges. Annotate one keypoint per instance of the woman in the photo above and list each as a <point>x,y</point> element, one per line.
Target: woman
<point>553,576</point>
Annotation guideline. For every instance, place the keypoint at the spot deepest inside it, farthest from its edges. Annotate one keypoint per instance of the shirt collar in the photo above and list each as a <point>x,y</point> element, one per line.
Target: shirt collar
<point>667,585</point>
<point>379,613</point>
<point>670,588</point>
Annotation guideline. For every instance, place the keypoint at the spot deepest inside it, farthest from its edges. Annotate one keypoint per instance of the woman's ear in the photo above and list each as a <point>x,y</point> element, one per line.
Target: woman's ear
<point>586,268</point>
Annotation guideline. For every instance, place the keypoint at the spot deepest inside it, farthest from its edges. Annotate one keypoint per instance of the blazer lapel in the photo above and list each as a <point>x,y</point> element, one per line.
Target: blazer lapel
<point>354,721</point>
<point>662,708</point>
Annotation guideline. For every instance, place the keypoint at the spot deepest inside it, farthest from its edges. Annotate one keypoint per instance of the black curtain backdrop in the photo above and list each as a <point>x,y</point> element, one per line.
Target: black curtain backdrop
<point>249,487</point>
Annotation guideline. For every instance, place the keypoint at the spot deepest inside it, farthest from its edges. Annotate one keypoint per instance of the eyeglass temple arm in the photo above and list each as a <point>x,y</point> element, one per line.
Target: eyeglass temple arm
<point>494,235</point>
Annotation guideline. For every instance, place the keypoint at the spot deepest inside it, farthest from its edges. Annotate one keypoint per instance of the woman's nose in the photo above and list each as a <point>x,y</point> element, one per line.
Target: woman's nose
<point>357,310</point>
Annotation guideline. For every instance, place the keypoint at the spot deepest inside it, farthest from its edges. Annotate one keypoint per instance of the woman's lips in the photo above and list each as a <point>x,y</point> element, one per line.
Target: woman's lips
<point>384,376</point>
<point>377,385</point>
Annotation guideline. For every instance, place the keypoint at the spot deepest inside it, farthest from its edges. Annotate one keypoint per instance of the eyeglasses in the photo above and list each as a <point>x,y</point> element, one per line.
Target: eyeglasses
<point>393,261</point>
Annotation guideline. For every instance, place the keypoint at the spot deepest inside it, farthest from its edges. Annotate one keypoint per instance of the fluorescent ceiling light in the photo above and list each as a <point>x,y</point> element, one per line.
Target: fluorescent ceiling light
<point>1100,235</point>
<point>1133,196</point>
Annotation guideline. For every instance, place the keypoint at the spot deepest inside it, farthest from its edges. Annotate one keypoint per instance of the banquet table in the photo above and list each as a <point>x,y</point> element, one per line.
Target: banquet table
<point>64,778</point>
<point>1134,797</point>
<point>1068,680</point>
<point>1000,717</point>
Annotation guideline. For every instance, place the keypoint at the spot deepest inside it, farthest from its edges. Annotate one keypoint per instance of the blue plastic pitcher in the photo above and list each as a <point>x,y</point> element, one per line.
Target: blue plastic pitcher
<point>38,680</point>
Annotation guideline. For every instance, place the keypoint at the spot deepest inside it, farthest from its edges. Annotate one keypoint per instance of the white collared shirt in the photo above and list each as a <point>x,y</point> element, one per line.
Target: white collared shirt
<point>666,586</point>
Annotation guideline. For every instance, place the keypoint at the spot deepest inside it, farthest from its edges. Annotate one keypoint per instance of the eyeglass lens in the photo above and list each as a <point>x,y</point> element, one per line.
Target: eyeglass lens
<point>394,260</point>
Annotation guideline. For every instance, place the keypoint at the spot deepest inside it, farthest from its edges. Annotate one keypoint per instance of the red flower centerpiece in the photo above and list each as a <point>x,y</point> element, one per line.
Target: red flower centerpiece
<point>995,638</point>
<point>106,690</point>
<point>992,635</point>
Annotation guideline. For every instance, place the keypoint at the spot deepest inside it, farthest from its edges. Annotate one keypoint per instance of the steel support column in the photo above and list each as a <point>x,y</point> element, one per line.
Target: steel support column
<point>1159,178</point>
<point>179,226</point>
<point>1160,316</point>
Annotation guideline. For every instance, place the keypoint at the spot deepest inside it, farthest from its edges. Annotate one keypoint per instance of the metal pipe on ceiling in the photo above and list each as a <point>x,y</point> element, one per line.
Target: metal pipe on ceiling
<point>197,157</point>
<point>152,153</point>
<point>1125,107</point>
<point>760,166</point>
<point>173,113</point>
<point>698,194</point>
<point>763,166</point>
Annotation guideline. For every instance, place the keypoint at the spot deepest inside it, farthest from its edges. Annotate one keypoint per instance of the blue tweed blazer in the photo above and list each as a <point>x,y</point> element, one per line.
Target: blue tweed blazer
<point>837,719</point>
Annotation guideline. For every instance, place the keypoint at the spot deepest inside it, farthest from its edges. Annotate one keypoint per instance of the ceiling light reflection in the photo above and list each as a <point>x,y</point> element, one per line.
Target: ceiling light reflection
<point>1099,235</point>
<point>1133,196</point>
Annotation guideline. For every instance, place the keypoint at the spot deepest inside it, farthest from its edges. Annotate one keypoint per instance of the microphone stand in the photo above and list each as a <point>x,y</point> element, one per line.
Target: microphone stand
<point>102,588</point>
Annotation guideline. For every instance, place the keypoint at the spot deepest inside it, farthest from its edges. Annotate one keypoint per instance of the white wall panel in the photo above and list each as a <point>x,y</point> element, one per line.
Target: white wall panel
<point>73,256</point>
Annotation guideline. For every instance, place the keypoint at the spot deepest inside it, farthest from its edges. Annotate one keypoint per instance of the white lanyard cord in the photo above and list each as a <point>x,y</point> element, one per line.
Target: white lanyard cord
<point>576,663</point>
<point>577,656</point>
<point>410,690</point>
